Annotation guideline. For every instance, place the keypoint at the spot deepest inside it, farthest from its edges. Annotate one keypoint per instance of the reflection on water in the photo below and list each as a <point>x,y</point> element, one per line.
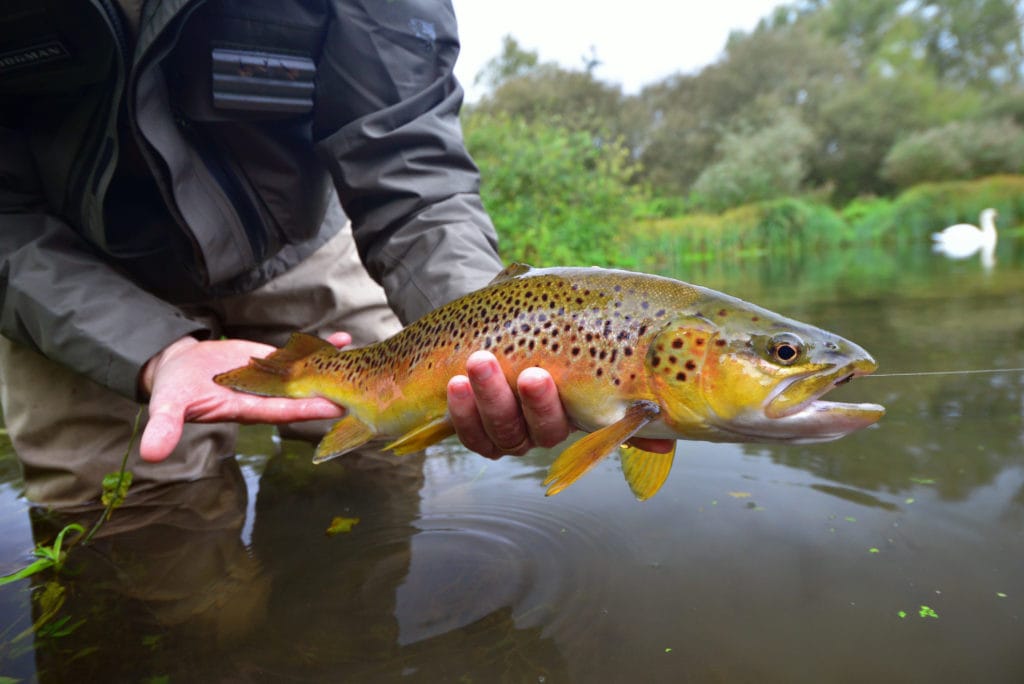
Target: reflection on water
<point>754,563</point>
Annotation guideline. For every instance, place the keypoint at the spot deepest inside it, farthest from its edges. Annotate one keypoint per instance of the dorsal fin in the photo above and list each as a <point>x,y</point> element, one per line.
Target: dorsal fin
<point>511,271</point>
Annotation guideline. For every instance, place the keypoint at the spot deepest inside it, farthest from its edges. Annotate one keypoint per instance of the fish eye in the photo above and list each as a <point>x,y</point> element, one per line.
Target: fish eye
<point>785,349</point>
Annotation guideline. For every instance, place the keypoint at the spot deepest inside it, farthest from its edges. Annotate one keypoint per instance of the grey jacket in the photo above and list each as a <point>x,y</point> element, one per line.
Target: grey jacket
<point>196,163</point>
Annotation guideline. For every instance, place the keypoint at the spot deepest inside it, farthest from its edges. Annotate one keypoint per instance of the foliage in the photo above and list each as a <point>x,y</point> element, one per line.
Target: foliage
<point>756,165</point>
<point>761,78</point>
<point>556,196</point>
<point>512,62</point>
<point>859,75</point>
<point>802,227</point>
<point>47,556</point>
<point>962,149</point>
<point>115,489</point>
<point>537,92</point>
<point>928,207</point>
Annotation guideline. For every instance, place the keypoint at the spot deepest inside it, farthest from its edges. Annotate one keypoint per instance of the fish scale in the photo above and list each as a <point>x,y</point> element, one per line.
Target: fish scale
<point>632,355</point>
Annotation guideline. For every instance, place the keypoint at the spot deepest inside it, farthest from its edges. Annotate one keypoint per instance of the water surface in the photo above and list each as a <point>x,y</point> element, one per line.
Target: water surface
<point>895,554</point>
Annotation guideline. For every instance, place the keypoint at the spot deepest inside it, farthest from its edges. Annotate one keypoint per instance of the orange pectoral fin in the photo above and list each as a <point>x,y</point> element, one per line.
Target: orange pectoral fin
<point>584,454</point>
<point>646,471</point>
<point>422,437</point>
<point>347,434</point>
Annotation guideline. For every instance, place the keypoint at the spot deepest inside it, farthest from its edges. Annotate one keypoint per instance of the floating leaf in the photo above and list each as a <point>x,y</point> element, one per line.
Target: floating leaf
<point>740,495</point>
<point>909,500</point>
<point>927,612</point>
<point>1000,594</point>
<point>902,614</point>
<point>850,518</point>
<point>341,525</point>
<point>115,488</point>
<point>874,549</point>
<point>668,650</point>
<point>922,480</point>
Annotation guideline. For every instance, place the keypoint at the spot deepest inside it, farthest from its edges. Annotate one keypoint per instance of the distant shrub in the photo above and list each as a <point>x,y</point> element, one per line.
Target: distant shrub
<point>929,207</point>
<point>756,165</point>
<point>959,150</point>
<point>556,196</point>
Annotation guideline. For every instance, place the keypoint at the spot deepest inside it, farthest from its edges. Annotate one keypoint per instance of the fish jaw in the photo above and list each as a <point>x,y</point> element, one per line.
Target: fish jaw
<point>795,412</point>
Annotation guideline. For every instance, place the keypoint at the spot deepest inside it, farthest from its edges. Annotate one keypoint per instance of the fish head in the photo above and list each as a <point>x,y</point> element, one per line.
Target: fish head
<point>735,372</point>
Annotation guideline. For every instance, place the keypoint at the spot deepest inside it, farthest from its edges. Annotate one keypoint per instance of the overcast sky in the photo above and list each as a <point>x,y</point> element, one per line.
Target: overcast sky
<point>637,42</point>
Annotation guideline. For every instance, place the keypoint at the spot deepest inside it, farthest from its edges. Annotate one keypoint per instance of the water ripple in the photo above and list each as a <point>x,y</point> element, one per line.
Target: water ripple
<point>540,560</point>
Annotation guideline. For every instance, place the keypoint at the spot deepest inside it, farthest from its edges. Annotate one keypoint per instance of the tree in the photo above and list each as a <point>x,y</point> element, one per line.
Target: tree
<point>555,197</point>
<point>757,164</point>
<point>513,62</point>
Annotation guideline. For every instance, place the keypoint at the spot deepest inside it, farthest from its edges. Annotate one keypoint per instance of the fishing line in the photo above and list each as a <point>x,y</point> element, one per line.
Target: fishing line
<point>954,372</point>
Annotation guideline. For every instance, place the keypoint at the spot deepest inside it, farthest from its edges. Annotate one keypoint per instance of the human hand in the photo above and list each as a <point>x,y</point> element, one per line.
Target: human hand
<point>179,382</point>
<point>490,421</point>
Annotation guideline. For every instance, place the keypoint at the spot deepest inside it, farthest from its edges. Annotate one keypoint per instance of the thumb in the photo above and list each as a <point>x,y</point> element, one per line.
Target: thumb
<point>162,432</point>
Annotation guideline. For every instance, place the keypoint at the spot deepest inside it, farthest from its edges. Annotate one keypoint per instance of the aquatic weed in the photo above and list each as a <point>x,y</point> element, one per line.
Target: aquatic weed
<point>115,490</point>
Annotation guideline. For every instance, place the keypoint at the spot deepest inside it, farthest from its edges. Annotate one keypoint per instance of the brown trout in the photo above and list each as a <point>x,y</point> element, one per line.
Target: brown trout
<point>633,355</point>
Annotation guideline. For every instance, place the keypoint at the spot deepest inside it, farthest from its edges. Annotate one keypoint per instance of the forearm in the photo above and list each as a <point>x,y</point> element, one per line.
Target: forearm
<point>60,299</point>
<point>390,135</point>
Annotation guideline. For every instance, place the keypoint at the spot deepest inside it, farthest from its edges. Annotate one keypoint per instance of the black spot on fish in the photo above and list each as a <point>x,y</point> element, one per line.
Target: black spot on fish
<point>677,343</point>
<point>681,376</point>
<point>690,365</point>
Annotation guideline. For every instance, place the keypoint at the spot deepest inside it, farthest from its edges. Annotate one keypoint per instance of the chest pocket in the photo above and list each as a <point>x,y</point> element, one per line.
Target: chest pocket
<point>49,53</point>
<point>239,61</point>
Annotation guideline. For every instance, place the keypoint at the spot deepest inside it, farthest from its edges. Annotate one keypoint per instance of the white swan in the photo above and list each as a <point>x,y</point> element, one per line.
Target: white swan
<point>962,240</point>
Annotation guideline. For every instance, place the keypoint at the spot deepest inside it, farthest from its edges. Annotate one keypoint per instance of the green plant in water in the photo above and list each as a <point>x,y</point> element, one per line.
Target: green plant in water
<point>115,489</point>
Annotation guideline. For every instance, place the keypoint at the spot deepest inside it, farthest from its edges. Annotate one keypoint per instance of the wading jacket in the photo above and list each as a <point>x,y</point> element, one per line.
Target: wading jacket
<point>190,157</point>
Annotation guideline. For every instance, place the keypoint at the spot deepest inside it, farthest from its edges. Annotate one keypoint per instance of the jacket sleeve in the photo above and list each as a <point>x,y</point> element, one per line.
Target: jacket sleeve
<point>386,124</point>
<point>60,299</point>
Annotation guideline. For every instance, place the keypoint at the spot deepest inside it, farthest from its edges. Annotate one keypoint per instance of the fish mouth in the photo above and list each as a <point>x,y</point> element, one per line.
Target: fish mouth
<point>797,413</point>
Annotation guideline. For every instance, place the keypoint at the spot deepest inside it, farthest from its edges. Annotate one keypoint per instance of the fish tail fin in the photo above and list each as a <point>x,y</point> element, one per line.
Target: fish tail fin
<point>584,454</point>
<point>347,434</point>
<point>272,376</point>
<point>422,437</point>
<point>646,471</point>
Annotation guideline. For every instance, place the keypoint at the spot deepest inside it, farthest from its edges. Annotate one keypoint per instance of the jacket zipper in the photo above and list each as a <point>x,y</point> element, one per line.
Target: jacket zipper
<point>98,157</point>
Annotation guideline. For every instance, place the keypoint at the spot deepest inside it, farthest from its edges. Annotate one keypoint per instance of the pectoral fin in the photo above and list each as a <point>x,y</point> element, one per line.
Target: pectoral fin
<point>646,471</point>
<point>584,454</point>
<point>422,437</point>
<point>347,434</point>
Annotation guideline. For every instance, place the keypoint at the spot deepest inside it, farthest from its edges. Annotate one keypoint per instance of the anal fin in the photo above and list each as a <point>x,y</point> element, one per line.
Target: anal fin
<point>585,453</point>
<point>347,434</point>
<point>422,437</point>
<point>646,471</point>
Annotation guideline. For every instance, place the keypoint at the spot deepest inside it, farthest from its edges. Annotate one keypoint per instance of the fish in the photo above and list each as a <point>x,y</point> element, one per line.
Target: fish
<point>632,354</point>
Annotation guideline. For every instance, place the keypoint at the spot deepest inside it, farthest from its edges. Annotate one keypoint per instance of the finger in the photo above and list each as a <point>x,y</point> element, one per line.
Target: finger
<point>466,418</point>
<point>499,410</point>
<point>162,432</point>
<point>250,409</point>
<point>545,417</point>
<point>340,339</point>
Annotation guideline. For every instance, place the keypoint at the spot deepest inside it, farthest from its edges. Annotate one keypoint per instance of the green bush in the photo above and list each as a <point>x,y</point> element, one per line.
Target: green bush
<point>929,207</point>
<point>958,150</point>
<point>556,196</point>
<point>756,165</point>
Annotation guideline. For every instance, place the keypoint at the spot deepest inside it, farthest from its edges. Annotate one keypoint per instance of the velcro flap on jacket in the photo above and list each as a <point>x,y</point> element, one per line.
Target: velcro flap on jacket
<point>251,80</point>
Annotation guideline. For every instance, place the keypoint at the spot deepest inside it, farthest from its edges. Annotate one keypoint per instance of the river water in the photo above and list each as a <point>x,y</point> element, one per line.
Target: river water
<point>894,554</point>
